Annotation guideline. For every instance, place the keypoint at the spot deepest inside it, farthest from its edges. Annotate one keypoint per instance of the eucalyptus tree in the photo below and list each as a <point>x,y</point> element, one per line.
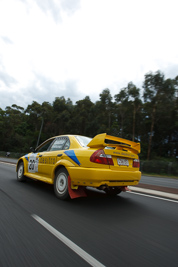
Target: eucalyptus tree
<point>135,101</point>
<point>13,127</point>
<point>83,117</point>
<point>46,120</point>
<point>2,130</point>
<point>158,96</point>
<point>106,115</point>
<point>62,109</point>
<point>122,100</point>
<point>34,111</point>
<point>35,123</point>
<point>175,119</point>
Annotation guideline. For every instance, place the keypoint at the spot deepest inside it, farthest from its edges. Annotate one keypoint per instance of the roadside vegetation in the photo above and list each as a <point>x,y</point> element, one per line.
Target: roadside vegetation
<point>148,115</point>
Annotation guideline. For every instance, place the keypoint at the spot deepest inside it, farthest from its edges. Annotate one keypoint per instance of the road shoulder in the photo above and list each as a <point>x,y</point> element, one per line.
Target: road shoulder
<point>160,191</point>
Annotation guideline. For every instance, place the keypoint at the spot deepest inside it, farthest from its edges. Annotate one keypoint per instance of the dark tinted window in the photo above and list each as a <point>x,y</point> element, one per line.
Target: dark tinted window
<point>60,144</point>
<point>45,146</point>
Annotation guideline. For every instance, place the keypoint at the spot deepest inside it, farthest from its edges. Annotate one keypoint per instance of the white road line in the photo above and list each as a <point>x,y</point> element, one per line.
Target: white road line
<point>154,192</point>
<point>14,164</point>
<point>84,255</point>
<point>151,196</point>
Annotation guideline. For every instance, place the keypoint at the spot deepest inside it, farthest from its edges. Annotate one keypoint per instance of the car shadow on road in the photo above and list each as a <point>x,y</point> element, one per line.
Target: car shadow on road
<point>96,202</point>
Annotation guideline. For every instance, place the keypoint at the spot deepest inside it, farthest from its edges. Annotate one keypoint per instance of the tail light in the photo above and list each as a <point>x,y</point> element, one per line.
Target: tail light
<point>100,157</point>
<point>136,163</point>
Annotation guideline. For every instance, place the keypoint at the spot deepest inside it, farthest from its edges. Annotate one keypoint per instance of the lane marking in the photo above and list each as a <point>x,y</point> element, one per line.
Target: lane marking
<point>8,163</point>
<point>145,195</point>
<point>84,255</point>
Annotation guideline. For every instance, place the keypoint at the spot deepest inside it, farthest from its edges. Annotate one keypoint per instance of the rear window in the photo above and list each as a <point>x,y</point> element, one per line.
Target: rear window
<point>83,140</point>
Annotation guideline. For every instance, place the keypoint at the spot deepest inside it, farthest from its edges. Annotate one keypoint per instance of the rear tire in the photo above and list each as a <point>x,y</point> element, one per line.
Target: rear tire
<point>61,184</point>
<point>112,191</point>
<point>20,173</point>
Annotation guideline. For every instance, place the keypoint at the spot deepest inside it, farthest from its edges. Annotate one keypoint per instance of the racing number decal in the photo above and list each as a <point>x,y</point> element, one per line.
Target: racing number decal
<point>33,164</point>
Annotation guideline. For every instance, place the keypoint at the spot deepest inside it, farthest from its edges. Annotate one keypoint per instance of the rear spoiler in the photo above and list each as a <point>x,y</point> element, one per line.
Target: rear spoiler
<point>100,141</point>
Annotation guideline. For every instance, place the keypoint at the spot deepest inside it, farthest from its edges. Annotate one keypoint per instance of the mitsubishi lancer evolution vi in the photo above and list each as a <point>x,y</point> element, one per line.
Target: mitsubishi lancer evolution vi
<point>73,162</point>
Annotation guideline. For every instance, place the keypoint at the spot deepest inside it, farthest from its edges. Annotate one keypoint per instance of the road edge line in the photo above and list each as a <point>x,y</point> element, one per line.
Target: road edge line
<point>153,192</point>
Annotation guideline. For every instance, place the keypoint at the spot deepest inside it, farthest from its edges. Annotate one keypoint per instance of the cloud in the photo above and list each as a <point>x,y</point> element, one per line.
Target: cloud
<point>7,79</point>
<point>6,40</point>
<point>55,7</point>
<point>49,89</point>
<point>77,48</point>
<point>43,89</point>
<point>70,6</point>
<point>50,6</point>
<point>170,71</point>
<point>8,99</point>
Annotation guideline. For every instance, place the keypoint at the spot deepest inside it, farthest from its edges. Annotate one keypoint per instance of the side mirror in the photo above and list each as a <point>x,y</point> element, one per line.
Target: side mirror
<point>32,149</point>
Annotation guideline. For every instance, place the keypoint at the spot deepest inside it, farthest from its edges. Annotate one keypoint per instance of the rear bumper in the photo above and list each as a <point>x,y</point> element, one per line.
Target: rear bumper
<point>95,177</point>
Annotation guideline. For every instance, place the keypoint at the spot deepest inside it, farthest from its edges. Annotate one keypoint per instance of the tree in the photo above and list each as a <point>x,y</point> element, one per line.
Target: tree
<point>134,96</point>
<point>106,109</point>
<point>158,94</point>
<point>13,125</point>
<point>83,116</point>
<point>153,122</point>
<point>121,100</point>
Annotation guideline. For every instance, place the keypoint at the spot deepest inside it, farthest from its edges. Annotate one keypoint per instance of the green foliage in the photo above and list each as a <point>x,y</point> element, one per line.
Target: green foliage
<point>161,167</point>
<point>151,118</point>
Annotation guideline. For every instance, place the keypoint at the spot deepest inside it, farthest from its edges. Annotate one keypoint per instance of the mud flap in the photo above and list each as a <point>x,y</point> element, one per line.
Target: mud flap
<point>125,188</point>
<point>75,193</point>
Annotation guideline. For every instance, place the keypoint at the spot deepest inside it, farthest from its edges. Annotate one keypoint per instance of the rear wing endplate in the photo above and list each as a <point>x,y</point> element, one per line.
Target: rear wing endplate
<point>100,141</point>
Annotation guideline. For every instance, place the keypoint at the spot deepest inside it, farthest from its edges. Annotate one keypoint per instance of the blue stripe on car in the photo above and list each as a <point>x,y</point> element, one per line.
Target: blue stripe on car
<point>71,155</point>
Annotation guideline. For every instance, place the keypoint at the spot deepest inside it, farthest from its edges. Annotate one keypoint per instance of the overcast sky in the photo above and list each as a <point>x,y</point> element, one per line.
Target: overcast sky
<point>77,48</point>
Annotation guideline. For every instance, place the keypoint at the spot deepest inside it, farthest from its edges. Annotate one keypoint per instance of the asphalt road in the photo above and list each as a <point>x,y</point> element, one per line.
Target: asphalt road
<point>160,181</point>
<point>127,230</point>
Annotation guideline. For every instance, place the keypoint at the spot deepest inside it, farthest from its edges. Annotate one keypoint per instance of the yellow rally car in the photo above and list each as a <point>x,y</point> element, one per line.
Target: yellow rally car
<point>73,162</point>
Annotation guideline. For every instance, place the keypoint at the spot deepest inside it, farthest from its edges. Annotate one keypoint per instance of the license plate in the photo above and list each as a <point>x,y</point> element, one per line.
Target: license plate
<point>122,162</point>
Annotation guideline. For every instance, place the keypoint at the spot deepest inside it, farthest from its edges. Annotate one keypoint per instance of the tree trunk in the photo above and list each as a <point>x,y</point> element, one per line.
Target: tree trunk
<point>151,132</point>
<point>133,129</point>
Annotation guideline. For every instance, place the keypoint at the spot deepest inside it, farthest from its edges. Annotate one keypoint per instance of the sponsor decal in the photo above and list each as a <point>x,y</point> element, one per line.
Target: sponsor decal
<point>124,154</point>
<point>47,160</point>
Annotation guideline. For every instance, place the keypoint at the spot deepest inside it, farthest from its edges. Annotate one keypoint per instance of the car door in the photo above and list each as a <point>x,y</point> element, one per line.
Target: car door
<point>48,159</point>
<point>34,163</point>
